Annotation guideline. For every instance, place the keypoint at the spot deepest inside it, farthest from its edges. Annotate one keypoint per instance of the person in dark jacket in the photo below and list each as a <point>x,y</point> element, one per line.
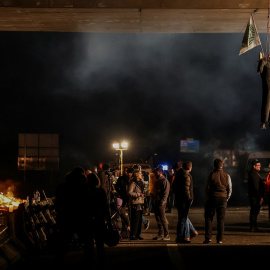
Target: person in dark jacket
<point>105,180</point>
<point>183,189</point>
<point>101,218</point>
<point>74,214</point>
<point>160,196</point>
<point>122,185</point>
<point>170,201</point>
<point>218,191</point>
<point>119,212</point>
<point>255,194</point>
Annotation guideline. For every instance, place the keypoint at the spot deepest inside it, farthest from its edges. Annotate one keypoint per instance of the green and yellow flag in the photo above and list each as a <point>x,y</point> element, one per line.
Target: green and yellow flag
<point>251,38</point>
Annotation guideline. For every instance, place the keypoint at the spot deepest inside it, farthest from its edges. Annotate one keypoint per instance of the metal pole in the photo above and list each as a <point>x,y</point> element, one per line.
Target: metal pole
<point>121,161</point>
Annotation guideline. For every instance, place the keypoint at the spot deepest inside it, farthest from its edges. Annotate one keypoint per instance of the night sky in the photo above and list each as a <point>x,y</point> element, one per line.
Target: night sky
<point>152,90</point>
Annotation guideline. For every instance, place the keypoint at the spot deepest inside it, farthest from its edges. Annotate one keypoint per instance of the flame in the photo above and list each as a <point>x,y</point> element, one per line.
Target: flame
<point>8,202</point>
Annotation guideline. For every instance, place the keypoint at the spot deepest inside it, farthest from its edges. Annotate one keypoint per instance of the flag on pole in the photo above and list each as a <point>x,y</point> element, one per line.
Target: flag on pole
<point>251,37</point>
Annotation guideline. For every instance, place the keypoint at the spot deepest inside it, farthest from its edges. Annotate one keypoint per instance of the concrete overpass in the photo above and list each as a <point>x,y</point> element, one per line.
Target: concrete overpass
<point>132,16</point>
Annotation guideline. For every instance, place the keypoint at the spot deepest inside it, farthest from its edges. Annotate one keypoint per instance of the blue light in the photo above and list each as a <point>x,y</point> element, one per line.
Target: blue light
<point>165,167</point>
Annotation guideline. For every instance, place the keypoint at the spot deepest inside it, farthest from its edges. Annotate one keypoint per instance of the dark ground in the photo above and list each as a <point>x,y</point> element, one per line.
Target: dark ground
<point>240,248</point>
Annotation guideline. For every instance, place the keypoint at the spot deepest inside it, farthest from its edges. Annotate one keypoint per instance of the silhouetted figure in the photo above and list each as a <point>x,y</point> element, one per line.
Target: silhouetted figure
<point>105,180</point>
<point>183,189</point>
<point>170,201</point>
<point>267,192</point>
<point>74,214</point>
<point>122,185</point>
<point>255,194</point>
<point>101,217</point>
<point>151,188</point>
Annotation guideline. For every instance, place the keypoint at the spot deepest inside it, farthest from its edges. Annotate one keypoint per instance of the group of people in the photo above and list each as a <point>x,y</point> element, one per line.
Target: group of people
<point>86,205</point>
<point>130,187</point>
<point>175,187</point>
<point>83,214</point>
<point>218,190</point>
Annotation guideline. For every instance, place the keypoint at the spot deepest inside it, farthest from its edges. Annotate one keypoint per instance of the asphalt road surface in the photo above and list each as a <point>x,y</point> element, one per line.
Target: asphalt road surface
<point>241,249</point>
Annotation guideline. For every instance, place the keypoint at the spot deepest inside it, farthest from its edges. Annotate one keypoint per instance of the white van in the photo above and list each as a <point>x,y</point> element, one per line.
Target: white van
<point>264,158</point>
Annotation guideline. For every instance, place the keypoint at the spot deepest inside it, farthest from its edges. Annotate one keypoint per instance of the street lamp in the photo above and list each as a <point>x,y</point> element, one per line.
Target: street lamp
<point>121,147</point>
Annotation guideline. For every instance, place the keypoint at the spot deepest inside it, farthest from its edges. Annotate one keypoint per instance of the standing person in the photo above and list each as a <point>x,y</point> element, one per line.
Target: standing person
<point>267,192</point>
<point>145,221</point>
<point>177,167</point>
<point>218,191</point>
<point>170,201</point>
<point>146,192</point>
<point>151,188</point>
<point>122,185</point>
<point>136,195</point>
<point>101,217</point>
<point>183,189</point>
<point>255,194</point>
<point>105,180</point>
<point>72,219</point>
<point>160,196</point>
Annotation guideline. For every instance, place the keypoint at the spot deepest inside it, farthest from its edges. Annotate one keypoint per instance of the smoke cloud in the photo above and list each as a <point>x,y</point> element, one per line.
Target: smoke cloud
<point>151,89</point>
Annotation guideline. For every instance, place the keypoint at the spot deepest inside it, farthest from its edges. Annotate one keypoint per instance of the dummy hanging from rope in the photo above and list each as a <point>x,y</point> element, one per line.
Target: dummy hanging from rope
<point>264,70</point>
<point>250,40</point>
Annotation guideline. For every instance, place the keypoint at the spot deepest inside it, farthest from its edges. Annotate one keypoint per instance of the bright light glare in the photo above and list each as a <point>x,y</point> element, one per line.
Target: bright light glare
<point>116,145</point>
<point>124,144</point>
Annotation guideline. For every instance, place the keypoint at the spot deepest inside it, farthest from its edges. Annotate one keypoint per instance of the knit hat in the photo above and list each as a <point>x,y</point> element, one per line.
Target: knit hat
<point>119,201</point>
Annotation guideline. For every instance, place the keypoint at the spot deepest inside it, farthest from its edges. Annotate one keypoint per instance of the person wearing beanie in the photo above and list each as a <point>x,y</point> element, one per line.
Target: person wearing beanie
<point>218,191</point>
<point>119,212</point>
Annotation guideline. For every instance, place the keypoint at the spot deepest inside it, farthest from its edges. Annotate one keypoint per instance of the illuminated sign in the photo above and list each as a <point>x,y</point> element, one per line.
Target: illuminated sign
<point>189,146</point>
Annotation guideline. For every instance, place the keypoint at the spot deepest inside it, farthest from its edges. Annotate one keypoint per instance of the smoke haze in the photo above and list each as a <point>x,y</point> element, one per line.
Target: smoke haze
<point>151,89</point>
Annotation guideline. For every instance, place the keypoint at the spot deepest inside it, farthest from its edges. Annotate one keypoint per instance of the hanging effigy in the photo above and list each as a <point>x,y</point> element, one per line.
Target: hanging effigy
<point>264,70</point>
<point>250,40</point>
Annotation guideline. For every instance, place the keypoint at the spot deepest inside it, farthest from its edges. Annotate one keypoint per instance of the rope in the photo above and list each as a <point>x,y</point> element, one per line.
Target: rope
<point>268,30</point>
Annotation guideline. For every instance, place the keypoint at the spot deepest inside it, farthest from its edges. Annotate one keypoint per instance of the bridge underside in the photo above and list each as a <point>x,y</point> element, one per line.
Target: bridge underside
<point>145,16</point>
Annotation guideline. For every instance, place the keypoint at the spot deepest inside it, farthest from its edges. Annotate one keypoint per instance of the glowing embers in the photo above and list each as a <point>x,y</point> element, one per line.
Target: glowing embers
<point>8,202</point>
